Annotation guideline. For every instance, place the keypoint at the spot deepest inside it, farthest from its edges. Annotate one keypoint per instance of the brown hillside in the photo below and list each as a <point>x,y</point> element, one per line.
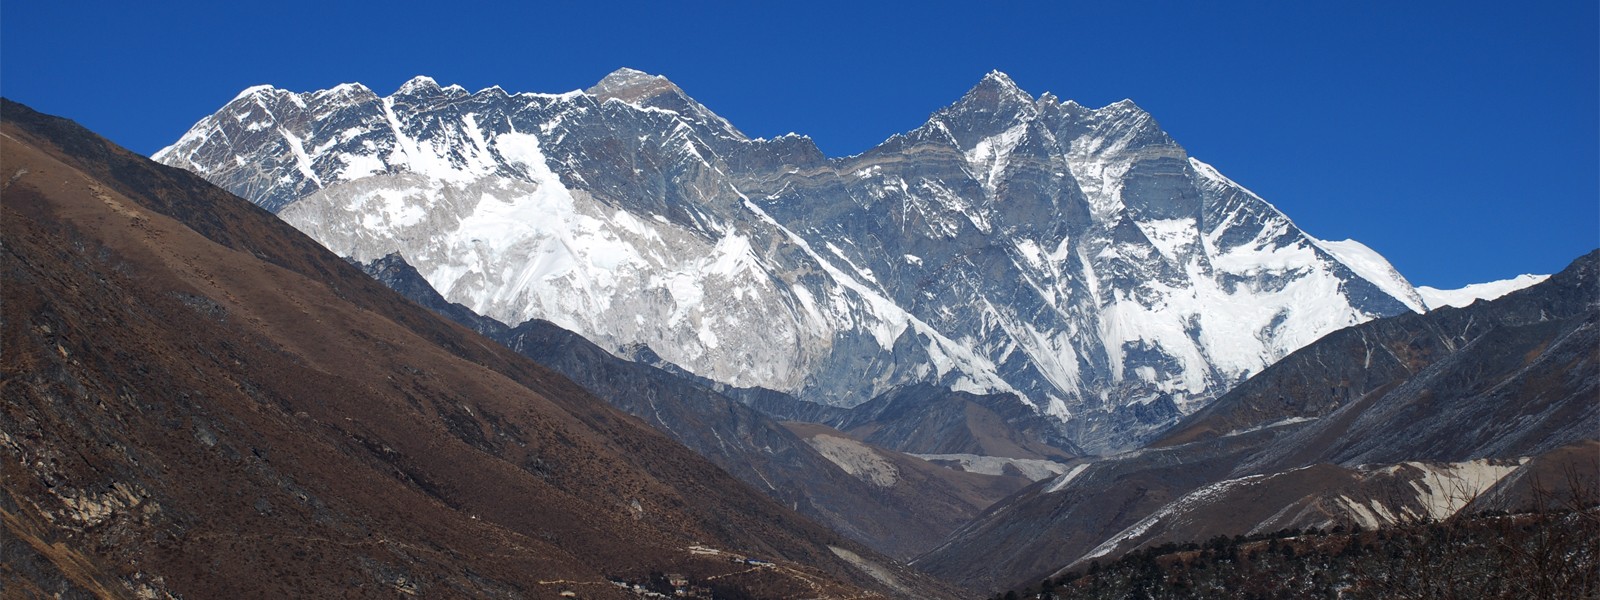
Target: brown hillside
<point>200,400</point>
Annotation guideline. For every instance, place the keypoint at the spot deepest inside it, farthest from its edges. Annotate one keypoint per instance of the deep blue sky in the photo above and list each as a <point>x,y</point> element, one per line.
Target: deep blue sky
<point>1459,139</point>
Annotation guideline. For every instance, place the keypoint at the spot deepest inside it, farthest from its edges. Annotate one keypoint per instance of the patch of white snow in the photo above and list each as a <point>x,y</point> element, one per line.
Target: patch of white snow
<point>1465,296</point>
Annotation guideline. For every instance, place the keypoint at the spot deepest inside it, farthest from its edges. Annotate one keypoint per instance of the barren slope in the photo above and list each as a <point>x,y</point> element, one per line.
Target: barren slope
<point>201,401</point>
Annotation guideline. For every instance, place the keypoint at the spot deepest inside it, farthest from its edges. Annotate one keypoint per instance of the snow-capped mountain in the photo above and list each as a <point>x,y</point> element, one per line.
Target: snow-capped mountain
<point>1076,257</point>
<point>1466,295</point>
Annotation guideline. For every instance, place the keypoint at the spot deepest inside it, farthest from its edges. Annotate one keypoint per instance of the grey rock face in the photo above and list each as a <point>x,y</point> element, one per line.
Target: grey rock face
<point>1077,258</point>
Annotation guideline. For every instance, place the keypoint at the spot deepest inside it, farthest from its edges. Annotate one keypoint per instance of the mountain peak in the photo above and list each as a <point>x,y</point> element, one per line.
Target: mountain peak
<point>991,107</point>
<point>345,93</point>
<point>418,84</point>
<point>347,88</point>
<point>253,90</point>
<point>626,73</point>
<point>998,77</point>
<point>632,86</point>
<point>997,94</point>
<point>644,90</point>
<point>999,84</point>
<point>1125,105</point>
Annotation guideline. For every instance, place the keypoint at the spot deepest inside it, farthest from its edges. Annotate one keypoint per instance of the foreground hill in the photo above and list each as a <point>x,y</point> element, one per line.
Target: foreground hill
<point>1552,554</point>
<point>202,402</point>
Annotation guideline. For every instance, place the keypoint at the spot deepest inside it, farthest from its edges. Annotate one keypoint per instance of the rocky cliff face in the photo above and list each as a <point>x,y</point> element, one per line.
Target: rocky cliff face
<point>1076,257</point>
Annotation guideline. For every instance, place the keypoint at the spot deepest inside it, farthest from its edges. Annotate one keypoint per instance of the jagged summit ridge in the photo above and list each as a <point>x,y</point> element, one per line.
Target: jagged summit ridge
<point>1077,257</point>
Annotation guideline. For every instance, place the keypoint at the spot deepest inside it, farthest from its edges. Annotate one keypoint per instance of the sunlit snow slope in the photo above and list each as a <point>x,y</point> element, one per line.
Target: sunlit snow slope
<point>1464,296</point>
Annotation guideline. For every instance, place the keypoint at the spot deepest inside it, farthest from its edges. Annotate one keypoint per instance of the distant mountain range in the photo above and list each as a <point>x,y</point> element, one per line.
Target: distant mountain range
<point>1075,258</point>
